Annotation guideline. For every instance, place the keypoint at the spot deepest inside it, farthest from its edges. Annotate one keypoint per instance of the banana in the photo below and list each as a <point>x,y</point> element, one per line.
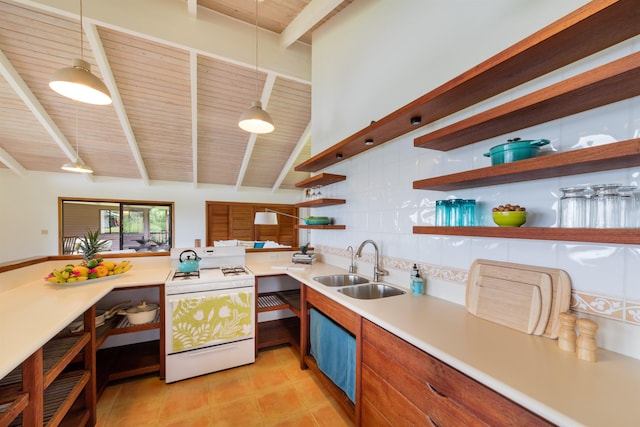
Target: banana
<point>122,267</point>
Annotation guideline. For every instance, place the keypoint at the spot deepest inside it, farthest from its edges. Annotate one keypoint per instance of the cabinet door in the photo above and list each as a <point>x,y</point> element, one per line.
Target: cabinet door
<point>400,381</point>
<point>217,222</point>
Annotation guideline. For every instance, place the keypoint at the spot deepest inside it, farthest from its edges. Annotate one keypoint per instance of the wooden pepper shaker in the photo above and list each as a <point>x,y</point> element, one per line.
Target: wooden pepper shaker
<point>567,334</point>
<point>586,343</point>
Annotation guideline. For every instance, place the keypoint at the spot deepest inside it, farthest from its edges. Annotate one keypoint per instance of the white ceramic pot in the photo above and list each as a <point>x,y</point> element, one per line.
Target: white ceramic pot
<point>141,313</point>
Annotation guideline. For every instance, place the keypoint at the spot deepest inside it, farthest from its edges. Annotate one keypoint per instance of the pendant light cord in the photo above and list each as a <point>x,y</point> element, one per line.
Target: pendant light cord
<point>257,97</point>
<point>81,34</point>
<point>77,134</point>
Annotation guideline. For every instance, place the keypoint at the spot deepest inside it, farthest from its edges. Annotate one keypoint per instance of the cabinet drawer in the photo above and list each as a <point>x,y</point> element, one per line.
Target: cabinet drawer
<point>400,397</point>
<point>424,380</point>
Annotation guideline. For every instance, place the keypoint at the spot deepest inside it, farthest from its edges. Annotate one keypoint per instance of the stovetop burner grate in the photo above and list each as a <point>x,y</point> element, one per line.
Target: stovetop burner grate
<point>186,275</point>
<point>233,271</point>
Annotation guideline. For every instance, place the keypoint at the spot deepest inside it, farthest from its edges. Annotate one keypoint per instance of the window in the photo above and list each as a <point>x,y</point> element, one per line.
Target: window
<point>134,226</point>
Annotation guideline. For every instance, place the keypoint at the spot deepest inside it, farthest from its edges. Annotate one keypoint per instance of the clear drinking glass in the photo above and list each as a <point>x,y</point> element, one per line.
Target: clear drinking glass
<point>628,217</point>
<point>572,211</point>
<point>468,212</point>
<point>605,206</point>
<point>442,212</point>
<point>455,212</point>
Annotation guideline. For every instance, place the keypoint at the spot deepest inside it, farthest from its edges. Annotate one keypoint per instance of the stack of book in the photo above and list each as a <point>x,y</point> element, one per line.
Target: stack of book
<point>300,258</point>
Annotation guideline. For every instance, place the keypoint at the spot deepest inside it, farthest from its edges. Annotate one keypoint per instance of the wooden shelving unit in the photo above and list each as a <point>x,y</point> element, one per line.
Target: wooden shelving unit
<point>318,203</point>
<point>320,180</point>
<point>326,179</point>
<point>280,331</point>
<point>604,85</point>
<point>131,360</point>
<point>54,386</point>
<point>619,155</point>
<point>623,236</point>
<point>587,30</point>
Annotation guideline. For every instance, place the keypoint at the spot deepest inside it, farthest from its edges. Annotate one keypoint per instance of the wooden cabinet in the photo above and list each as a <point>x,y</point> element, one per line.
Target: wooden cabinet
<point>55,385</point>
<point>280,331</point>
<point>226,221</point>
<point>402,385</point>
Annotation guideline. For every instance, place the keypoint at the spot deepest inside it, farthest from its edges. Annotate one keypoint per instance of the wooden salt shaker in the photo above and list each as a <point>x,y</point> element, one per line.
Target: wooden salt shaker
<point>567,334</point>
<point>586,343</point>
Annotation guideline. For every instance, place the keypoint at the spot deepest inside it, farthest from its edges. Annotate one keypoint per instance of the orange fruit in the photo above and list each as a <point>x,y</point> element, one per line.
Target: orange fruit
<point>101,271</point>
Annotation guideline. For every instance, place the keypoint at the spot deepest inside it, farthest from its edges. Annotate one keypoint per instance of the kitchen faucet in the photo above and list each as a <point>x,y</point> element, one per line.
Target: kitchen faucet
<point>377,271</point>
<point>352,267</point>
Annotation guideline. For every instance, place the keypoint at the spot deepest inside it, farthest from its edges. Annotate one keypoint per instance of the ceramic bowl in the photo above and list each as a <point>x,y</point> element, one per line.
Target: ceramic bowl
<point>510,218</point>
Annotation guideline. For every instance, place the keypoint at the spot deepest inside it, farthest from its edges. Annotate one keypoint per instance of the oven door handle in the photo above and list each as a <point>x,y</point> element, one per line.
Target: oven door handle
<point>216,349</point>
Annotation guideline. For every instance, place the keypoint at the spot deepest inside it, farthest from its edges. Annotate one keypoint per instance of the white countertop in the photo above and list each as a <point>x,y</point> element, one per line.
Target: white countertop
<point>528,369</point>
<point>33,313</point>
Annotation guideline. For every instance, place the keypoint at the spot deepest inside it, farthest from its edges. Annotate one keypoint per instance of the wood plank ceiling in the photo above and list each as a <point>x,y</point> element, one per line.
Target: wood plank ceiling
<point>175,110</point>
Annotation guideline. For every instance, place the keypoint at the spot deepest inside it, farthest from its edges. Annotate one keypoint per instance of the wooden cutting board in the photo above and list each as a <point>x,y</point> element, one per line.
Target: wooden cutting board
<point>561,291</point>
<point>516,298</point>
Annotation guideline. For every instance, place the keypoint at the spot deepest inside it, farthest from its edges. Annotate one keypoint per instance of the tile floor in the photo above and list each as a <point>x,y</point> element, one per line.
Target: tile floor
<point>273,391</point>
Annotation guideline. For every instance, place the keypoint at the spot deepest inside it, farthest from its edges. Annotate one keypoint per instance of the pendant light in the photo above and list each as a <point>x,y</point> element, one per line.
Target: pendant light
<point>78,165</point>
<point>77,82</point>
<point>255,119</point>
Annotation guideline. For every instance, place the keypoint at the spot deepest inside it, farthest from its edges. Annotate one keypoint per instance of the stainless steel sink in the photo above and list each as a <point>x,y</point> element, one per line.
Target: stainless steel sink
<point>341,280</point>
<point>371,291</point>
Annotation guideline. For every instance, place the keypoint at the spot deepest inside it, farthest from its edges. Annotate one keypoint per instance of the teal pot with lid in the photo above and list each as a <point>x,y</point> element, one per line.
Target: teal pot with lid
<point>515,150</point>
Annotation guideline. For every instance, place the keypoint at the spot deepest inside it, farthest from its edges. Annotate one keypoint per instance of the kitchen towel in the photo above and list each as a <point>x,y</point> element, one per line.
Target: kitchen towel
<point>335,352</point>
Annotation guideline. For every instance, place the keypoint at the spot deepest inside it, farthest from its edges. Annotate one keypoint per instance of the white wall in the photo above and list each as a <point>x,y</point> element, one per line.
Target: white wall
<point>375,57</point>
<point>30,206</point>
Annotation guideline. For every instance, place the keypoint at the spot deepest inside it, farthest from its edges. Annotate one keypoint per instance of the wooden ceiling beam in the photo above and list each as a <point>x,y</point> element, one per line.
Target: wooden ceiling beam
<point>192,8</point>
<point>193,75</point>
<point>95,42</point>
<point>26,95</point>
<point>12,163</point>
<point>313,13</point>
<point>304,138</point>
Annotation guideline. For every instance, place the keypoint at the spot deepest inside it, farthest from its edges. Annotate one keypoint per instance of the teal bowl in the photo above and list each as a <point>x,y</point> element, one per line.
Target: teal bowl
<point>317,220</point>
<point>510,218</point>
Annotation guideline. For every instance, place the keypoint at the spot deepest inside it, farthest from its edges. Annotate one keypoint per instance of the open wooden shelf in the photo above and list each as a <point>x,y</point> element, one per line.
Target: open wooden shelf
<point>12,407</point>
<point>320,180</point>
<point>116,363</point>
<point>604,85</point>
<point>278,332</point>
<point>587,30</point>
<point>318,203</point>
<point>322,227</point>
<point>617,155</point>
<point>625,236</point>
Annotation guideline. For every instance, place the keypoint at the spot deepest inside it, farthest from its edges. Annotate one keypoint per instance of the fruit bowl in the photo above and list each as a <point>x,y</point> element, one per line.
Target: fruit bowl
<point>509,218</point>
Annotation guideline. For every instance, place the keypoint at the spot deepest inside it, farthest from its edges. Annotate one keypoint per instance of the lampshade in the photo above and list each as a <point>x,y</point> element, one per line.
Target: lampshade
<point>256,120</point>
<point>266,218</point>
<point>78,166</point>
<point>78,83</point>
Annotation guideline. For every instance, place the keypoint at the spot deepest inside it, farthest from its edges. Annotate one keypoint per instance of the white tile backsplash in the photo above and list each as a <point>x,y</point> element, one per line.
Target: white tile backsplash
<point>382,205</point>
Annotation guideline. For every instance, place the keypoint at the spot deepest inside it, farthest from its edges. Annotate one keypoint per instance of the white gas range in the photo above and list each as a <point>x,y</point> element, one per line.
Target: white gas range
<point>210,313</point>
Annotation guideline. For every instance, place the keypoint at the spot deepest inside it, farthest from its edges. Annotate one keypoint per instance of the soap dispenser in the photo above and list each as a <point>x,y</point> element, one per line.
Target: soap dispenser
<point>417,285</point>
